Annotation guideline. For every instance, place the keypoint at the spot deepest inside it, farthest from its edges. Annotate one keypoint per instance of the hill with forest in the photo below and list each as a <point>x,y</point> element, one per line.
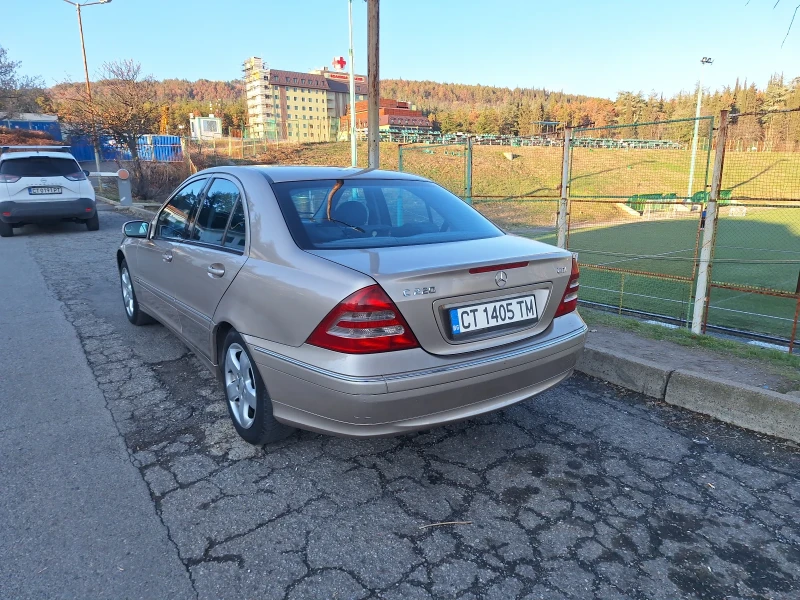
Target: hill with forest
<point>519,111</point>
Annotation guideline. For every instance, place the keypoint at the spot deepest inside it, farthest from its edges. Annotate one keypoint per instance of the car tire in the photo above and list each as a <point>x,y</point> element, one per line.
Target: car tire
<point>131,304</point>
<point>6,229</point>
<point>93,224</point>
<point>249,404</point>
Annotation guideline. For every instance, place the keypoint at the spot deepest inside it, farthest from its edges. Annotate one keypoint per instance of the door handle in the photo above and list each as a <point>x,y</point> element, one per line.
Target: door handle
<point>167,256</point>
<point>216,270</point>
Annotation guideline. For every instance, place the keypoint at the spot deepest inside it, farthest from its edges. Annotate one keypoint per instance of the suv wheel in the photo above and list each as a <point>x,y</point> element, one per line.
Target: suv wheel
<point>93,224</point>
<point>6,230</point>
<point>249,405</point>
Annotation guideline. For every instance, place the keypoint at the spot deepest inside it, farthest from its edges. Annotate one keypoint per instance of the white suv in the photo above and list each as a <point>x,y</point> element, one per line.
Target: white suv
<point>43,185</point>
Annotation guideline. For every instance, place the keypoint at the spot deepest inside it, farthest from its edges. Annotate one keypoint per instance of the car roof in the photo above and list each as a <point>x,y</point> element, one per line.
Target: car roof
<point>28,154</point>
<point>282,173</point>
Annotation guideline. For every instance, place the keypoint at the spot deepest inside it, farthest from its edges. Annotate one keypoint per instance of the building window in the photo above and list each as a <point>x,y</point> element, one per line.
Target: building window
<point>287,80</point>
<point>296,107</point>
<point>295,89</point>
<point>295,81</point>
<point>305,135</point>
<point>303,99</point>
<point>275,77</point>
<point>302,80</point>
<point>304,108</point>
<point>289,117</point>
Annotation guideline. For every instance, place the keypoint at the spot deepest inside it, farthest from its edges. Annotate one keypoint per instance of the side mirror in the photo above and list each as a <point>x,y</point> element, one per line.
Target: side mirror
<point>85,172</point>
<point>136,229</point>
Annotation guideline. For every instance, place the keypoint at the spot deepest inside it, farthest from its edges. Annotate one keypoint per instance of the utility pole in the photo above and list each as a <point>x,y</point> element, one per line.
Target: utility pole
<point>704,61</point>
<point>353,144</point>
<point>88,85</point>
<point>373,79</point>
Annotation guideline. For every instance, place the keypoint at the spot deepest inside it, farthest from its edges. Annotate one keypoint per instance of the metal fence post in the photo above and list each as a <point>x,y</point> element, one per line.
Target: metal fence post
<point>707,247</point>
<point>468,173</point>
<point>562,207</point>
<point>400,157</point>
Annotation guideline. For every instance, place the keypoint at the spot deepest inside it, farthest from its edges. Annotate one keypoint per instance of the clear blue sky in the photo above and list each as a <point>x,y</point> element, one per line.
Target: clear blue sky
<point>579,46</point>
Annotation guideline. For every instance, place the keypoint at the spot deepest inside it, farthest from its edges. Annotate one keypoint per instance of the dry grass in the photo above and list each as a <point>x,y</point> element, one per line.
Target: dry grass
<point>24,137</point>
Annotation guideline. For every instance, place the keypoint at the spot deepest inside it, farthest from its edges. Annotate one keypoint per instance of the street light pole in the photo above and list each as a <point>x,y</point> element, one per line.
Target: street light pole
<point>704,61</point>
<point>353,146</point>
<point>78,7</point>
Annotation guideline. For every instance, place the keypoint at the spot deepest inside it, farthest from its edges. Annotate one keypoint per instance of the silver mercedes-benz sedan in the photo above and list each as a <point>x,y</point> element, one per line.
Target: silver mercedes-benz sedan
<point>355,303</point>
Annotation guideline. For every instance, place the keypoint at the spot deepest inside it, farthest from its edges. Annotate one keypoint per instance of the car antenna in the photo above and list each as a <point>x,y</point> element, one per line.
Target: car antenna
<point>336,187</point>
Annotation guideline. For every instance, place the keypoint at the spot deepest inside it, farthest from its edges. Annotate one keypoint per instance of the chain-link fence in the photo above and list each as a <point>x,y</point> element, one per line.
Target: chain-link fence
<point>635,213</point>
<point>636,216</point>
<point>755,280</point>
<point>447,164</point>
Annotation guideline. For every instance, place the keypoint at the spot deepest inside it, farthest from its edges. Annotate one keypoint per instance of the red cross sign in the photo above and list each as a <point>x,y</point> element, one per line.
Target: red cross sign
<point>339,63</point>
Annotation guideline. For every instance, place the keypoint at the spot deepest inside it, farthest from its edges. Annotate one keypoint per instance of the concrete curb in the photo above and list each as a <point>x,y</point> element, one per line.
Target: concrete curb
<point>750,407</point>
<point>756,409</point>
<point>638,375</point>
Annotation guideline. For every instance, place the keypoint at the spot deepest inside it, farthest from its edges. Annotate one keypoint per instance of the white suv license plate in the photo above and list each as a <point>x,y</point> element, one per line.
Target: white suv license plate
<point>44,190</point>
<point>468,319</point>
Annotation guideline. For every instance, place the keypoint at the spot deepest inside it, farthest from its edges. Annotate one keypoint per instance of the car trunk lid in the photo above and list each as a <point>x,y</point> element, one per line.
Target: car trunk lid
<point>428,281</point>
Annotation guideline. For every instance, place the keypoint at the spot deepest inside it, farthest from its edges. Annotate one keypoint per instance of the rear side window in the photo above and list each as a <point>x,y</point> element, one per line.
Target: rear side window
<point>237,230</point>
<point>39,166</point>
<point>175,218</point>
<point>215,212</point>
<point>377,213</point>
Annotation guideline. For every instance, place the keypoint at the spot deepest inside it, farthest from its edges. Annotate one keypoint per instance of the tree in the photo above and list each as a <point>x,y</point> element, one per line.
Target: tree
<point>18,93</point>
<point>124,106</point>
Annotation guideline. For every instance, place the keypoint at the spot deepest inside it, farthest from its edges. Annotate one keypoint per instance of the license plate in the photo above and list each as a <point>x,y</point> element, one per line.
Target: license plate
<point>44,190</point>
<point>468,319</point>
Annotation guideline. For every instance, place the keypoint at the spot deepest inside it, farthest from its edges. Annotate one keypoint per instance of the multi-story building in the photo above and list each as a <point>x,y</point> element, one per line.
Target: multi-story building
<point>393,116</point>
<point>296,106</point>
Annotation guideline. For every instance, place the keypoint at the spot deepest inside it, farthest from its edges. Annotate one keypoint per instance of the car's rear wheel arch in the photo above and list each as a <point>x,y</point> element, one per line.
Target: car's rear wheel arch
<point>220,333</point>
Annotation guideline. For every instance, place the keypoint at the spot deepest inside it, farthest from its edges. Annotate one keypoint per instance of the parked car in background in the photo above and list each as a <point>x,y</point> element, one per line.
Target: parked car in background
<point>40,184</point>
<point>357,303</point>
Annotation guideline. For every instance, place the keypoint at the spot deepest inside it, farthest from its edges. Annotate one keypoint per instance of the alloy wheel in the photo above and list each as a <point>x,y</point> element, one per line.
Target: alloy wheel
<point>240,386</point>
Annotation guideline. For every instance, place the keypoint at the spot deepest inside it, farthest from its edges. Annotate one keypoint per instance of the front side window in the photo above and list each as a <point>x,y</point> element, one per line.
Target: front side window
<point>175,218</point>
<point>377,213</point>
<point>215,212</point>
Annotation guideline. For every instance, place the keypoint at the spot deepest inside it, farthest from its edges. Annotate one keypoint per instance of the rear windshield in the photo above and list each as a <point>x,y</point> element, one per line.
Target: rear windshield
<point>39,166</point>
<point>376,214</point>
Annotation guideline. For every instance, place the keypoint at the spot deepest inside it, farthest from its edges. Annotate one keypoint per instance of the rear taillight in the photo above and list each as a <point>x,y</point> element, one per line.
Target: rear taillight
<point>77,176</point>
<point>569,302</point>
<point>8,178</point>
<point>363,323</point>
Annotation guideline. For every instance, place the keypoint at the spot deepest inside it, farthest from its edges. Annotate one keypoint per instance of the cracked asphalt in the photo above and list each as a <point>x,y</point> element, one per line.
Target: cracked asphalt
<point>586,491</point>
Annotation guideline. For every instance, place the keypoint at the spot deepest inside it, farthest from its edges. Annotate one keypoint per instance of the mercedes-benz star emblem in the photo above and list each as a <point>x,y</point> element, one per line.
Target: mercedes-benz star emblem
<point>501,278</point>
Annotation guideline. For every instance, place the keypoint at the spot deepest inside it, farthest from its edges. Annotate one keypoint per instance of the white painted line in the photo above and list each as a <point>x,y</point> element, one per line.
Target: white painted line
<point>613,262</point>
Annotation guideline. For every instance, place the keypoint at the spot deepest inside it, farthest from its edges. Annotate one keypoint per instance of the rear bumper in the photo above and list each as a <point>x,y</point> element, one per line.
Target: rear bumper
<point>28,212</point>
<point>448,390</point>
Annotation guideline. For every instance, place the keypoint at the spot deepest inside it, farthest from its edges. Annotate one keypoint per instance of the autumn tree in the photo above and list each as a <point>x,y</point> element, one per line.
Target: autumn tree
<point>18,93</point>
<point>124,106</point>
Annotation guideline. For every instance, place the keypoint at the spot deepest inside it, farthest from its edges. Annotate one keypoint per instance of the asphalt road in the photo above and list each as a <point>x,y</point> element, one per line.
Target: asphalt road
<point>586,491</point>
